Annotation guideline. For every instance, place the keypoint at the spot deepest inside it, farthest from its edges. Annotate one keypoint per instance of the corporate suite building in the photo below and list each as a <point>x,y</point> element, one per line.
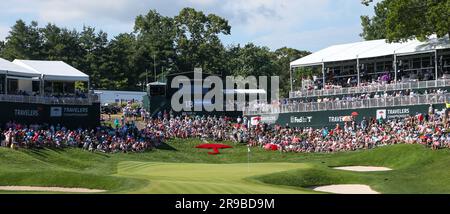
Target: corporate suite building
<point>44,92</point>
<point>367,67</point>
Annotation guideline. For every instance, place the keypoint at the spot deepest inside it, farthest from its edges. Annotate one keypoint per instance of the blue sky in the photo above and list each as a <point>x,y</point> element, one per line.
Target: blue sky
<point>302,24</point>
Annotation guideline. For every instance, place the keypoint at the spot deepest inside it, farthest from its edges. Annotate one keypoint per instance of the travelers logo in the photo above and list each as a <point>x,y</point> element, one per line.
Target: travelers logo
<point>255,121</point>
<point>26,112</point>
<point>381,114</point>
<point>215,147</point>
<point>56,112</point>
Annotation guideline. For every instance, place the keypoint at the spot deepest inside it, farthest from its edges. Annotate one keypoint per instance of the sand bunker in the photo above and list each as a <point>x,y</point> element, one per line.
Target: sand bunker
<point>363,168</point>
<point>50,189</point>
<point>347,189</point>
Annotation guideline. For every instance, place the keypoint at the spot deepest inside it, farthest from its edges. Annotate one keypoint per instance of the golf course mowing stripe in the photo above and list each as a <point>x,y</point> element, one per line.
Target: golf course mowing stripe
<point>417,169</point>
<point>205,178</point>
<point>134,166</point>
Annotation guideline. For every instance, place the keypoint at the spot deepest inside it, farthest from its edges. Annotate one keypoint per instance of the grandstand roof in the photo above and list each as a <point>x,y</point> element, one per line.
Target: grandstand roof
<point>7,67</point>
<point>245,91</point>
<point>53,70</point>
<point>371,49</point>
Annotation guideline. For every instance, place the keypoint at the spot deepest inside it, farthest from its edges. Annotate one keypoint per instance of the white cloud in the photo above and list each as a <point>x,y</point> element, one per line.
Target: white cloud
<point>70,10</point>
<point>202,2</point>
<point>311,40</point>
<point>269,15</point>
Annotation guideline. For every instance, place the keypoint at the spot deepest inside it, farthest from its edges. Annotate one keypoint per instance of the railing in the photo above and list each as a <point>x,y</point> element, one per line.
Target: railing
<point>371,88</point>
<point>50,100</point>
<point>344,104</point>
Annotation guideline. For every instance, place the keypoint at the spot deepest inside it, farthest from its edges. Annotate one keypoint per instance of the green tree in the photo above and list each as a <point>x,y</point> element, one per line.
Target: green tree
<point>155,46</point>
<point>94,60</point>
<point>121,53</point>
<point>252,60</point>
<point>375,27</point>
<point>23,42</point>
<point>61,44</point>
<point>2,45</point>
<point>188,40</point>
<point>197,40</point>
<point>400,20</point>
<point>283,58</point>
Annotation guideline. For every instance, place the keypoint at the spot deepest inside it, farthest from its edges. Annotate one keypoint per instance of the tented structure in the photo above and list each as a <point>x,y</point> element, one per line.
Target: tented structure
<point>14,77</point>
<point>352,58</point>
<point>33,77</point>
<point>53,70</point>
<point>11,69</point>
<point>57,77</point>
<point>371,49</point>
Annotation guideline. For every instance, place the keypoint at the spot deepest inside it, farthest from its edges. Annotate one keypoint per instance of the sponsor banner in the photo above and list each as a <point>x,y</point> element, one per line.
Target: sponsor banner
<point>56,112</point>
<point>381,114</point>
<point>393,113</point>
<point>75,111</point>
<point>254,121</point>
<point>269,119</point>
<point>73,116</point>
<point>319,119</point>
<point>301,119</point>
<point>26,112</point>
<point>340,119</point>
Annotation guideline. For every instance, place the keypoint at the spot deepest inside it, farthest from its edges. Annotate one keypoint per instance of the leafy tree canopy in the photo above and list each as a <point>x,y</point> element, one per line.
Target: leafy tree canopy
<point>157,46</point>
<point>401,20</point>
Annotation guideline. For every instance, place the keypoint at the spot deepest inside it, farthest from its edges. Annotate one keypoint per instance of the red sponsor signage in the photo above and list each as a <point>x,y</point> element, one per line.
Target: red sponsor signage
<point>214,147</point>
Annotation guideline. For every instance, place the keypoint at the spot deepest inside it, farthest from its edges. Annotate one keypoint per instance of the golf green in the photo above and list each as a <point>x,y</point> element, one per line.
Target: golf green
<point>178,167</point>
<point>207,178</point>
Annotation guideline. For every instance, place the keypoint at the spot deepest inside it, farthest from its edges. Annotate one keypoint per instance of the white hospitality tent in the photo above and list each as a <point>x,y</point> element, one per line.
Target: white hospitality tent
<point>56,76</point>
<point>54,70</point>
<point>16,77</point>
<point>370,49</point>
<point>7,67</point>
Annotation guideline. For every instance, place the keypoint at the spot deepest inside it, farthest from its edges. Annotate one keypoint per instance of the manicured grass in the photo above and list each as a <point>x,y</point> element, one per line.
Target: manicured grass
<point>415,170</point>
<point>178,167</point>
<point>201,178</point>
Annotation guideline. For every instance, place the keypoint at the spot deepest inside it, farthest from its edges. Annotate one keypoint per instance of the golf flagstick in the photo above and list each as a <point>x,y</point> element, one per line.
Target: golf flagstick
<point>248,159</point>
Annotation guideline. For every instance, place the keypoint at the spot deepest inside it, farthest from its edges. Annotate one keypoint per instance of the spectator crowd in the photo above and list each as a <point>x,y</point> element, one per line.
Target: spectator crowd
<point>347,101</point>
<point>427,129</point>
<point>124,138</point>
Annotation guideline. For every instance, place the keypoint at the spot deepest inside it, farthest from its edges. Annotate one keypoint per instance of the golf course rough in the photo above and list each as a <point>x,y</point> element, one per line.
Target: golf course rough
<point>178,167</point>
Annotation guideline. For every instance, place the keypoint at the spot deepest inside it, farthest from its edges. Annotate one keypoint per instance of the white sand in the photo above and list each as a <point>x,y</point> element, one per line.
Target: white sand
<point>363,168</point>
<point>50,189</point>
<point>347,189</point>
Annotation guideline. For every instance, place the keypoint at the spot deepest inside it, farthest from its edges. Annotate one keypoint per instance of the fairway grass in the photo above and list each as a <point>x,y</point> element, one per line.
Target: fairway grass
<point>178,168</point>
<point>197,178</point>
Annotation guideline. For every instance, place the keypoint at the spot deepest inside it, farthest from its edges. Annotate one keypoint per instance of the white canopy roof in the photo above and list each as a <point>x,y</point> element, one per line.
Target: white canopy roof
<point>7,67</point>
<point>157,83</point>
<point>244,91</point>
<point>370,49</point>
<point>53,70</point>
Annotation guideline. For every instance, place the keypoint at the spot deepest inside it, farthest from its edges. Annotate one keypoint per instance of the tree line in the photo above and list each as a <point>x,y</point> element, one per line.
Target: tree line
<point>191,39</point>
<point>168,44</point>
<point>401,20</point>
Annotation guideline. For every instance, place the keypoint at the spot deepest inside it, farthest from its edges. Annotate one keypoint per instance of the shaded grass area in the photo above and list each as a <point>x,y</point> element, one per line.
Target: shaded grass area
<point>416,169</point>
